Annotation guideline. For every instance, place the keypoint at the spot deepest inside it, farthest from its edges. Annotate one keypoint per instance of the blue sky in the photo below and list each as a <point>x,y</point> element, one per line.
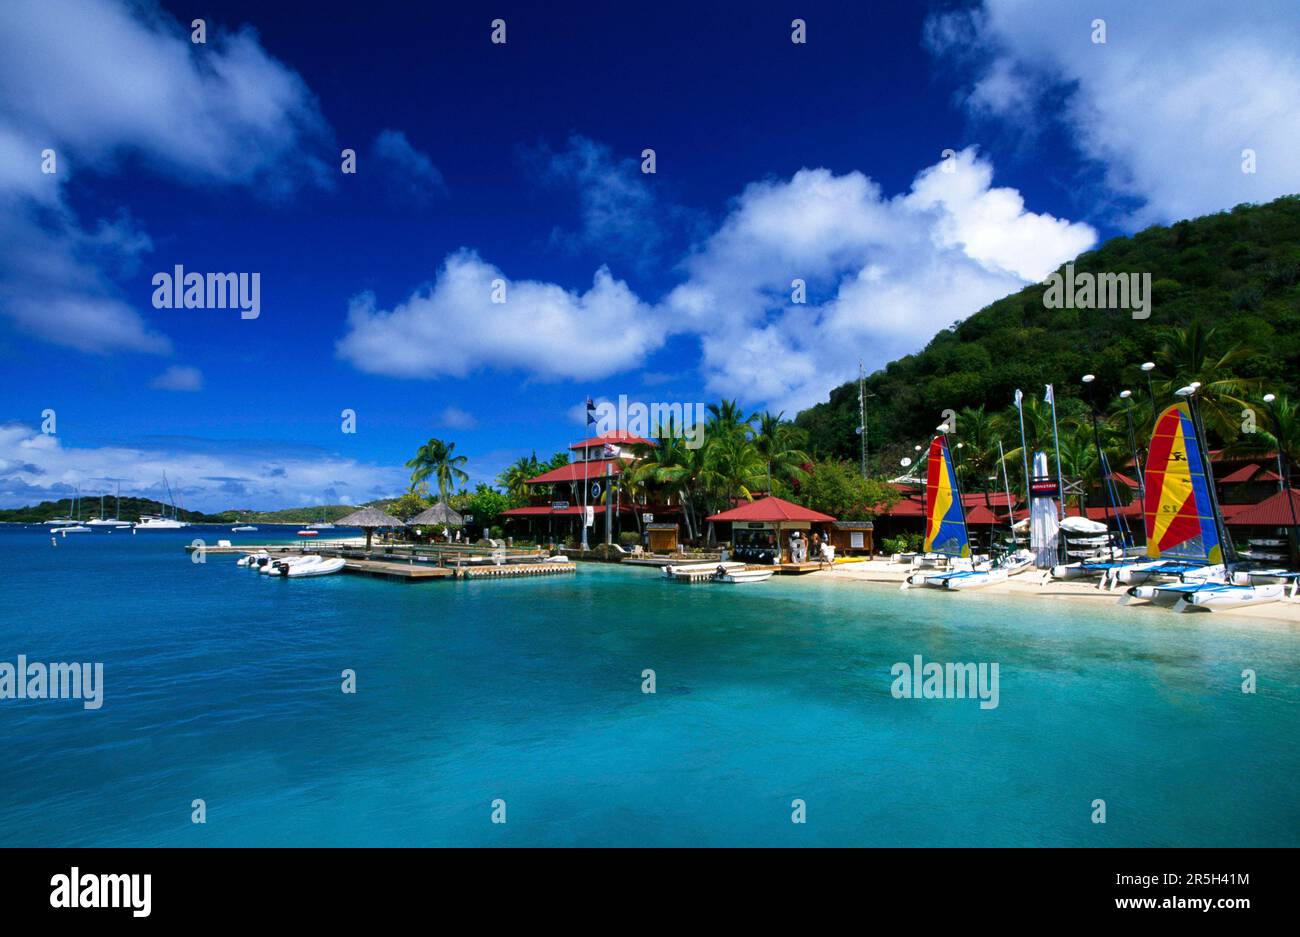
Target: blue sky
<point>475,161</point>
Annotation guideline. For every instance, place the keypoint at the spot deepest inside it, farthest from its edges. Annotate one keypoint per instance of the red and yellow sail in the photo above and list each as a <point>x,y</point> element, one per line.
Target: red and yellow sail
<point>1179,513</point>
<point>945,523</point>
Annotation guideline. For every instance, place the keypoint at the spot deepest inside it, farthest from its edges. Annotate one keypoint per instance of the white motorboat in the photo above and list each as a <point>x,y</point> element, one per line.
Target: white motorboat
<point>689,572</point>
<point>72,529</point>
<point>273,567</point>
<point>742,575</point>
<point>239,530</point>
<point>59,521</point>
<point>1222,596</point>
<point>251,559</point>
<point>314,566</point>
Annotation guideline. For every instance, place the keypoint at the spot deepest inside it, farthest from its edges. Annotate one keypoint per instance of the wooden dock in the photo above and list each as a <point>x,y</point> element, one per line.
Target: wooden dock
<point>414,565</point>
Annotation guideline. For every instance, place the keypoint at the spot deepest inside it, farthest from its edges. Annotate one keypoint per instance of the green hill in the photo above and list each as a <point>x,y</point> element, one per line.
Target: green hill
<point>131,509</point>
<point>1236,272</point>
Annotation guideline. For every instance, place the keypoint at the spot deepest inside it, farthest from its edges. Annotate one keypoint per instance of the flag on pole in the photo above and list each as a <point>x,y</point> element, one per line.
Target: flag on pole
<point>1019,397</point>
<point>1049,397</point>
<point>591,412</point>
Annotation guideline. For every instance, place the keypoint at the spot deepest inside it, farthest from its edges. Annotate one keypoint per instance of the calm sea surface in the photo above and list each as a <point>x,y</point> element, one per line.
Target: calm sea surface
<point>225,685</point>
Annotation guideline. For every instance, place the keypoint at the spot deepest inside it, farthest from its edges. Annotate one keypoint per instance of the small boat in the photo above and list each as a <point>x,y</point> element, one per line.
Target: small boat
<point>689,572</point>
<point>979,578</point>
<point>74,529</point>
<point>742,575</point>
<point>313,566</point>
<point>252,559</point>
<point>236,530</point>
<point>1220,596</point>
<point>273,567</point>
<point>307,533</point>
<point>945,522</point>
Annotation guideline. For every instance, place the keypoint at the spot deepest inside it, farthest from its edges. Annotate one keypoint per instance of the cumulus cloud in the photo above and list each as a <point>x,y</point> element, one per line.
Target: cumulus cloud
<point>883,274</point>
<point>1163,109</point>
<point>212,477</point>
<point>453,327</point>
<point>412,177</point>
<point>99,82</point>
<point>179,377</point>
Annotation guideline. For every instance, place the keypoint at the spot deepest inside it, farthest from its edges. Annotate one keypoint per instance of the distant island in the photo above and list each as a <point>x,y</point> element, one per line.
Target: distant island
<point>132,508</point>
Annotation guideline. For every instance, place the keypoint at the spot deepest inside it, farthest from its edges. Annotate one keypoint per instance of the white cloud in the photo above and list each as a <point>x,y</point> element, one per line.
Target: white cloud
<point>1165,107</point>
<point>35,466</point>
<point>883,274</point>
<point>97,82</point>
<point>412,178</point>
<point>453,327</point>
<point>454,417</point>
<point>178,377</point>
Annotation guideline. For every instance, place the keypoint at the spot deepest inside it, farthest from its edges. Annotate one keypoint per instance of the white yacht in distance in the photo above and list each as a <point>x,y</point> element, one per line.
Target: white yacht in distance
<point>158,522</point>
<point>102,521</point>
<point>162,521</point>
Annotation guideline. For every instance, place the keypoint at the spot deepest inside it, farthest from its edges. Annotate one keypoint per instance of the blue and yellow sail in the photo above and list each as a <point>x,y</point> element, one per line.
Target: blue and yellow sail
<point>1179,514</point>
<point>945,522</point>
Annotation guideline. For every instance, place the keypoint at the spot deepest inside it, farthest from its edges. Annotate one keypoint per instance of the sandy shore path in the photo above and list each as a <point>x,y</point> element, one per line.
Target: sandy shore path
<point>1284,616</point>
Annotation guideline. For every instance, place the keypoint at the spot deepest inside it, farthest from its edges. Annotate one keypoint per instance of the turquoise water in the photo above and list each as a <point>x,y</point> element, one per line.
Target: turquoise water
<point>224,685</point>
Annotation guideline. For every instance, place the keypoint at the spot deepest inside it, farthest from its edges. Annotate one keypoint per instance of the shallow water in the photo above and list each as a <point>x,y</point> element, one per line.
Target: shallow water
<point>225,685</point>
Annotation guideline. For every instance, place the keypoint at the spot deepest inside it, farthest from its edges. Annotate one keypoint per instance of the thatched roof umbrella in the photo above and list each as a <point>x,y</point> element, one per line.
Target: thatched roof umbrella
<point>369,519</point>
<point>438,514</point>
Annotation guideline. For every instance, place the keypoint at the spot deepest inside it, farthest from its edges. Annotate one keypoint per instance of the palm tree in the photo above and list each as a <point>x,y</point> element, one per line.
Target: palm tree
<point>671,466</point>
<point>1185,356</point>
<point>515,478</point>
<point>777,447</point>
<point>436,458</point>
<point>732,467</point>
<point>726,418</point>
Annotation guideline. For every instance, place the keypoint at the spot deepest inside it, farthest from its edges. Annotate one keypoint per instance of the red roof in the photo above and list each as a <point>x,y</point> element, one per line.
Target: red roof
<point>1249,473</point>
<point>573,472</point>
<point>1271,512</point>
<point>617,438</point>
<point>771,509</point>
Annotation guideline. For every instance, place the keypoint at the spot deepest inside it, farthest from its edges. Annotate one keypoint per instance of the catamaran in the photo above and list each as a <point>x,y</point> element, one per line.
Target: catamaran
<point>110,522</point>
<point>162,521</point>
<point>946,538</point>
<point>1185,525</point>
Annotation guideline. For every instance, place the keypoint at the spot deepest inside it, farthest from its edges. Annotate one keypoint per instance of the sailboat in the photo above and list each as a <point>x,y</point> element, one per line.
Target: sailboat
<point>945,521</point>
<point>74,526</point>
<point>1184,524</point>
<point>162,521</point>
<point>110,522</point>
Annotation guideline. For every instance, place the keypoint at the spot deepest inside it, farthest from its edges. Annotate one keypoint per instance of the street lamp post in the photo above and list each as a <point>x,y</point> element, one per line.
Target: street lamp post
<point>1284,480</point>
<point>1132,443</point>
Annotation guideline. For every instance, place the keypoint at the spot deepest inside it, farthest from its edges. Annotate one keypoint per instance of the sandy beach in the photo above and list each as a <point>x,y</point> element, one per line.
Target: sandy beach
<point>1280,616</point>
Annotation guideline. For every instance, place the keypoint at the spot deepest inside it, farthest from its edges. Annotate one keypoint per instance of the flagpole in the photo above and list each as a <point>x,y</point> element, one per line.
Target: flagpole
<point>1024,449</point>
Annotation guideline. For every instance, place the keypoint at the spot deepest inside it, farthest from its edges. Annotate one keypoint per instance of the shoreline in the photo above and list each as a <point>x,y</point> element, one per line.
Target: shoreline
<point>1281,616</point>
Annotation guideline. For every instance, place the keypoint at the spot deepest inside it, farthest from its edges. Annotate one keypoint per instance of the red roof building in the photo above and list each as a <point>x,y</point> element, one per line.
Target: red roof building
<point>772,510</point>
<point>1271,512</point>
